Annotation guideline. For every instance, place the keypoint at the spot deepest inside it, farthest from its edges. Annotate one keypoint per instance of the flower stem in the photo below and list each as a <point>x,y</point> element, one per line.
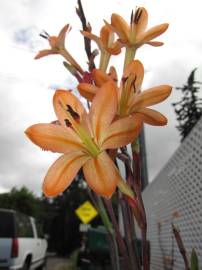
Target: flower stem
<point>125,189</point>
<point>137,187</point>
<point>129,55</point>
<point>112,238</point>
<point>71,60</point>
<point>181,246</point>
<point>120,241</point>
<point>128,235</point>
<point>104,60</point>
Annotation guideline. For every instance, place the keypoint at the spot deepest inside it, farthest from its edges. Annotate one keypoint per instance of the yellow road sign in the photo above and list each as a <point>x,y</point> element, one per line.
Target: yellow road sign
<point>86,212</point>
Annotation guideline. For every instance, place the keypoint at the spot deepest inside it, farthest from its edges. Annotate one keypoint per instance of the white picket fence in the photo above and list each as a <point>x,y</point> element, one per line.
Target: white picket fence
<point>178,186</point>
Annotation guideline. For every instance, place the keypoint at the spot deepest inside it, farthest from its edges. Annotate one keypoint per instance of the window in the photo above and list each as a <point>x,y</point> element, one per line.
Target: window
<point>7,228</point>
<point>39,229</point>
<point>24,226</point>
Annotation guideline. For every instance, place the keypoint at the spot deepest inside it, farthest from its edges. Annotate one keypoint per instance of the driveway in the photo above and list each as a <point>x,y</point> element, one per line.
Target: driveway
<point>56,263</point>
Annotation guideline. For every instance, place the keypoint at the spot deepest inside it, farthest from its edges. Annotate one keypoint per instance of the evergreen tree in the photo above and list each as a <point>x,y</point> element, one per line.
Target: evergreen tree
<point>189,108</point>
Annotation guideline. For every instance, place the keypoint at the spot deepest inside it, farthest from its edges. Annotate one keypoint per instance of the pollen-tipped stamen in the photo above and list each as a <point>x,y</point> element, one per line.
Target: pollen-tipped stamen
<point>44,34</point>
<point>74,114</point>
<point>132,17</point>
<point>79,129</point>
<point>138,14</point>
<point>128,84</point>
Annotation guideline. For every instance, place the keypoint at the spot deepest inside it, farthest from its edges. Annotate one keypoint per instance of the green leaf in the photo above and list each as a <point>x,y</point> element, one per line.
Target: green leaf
<point>194,260</point>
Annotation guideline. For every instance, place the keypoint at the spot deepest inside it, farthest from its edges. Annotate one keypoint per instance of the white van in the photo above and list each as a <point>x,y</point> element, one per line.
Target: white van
<point>21,243</point>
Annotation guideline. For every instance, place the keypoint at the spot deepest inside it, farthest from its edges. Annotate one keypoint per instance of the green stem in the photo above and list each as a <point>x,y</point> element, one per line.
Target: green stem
<point>104,216</point>
<point>112,237</point>
<point>129,55</point>
<point>104,60</point>
<point>125,189</point>
<point>71,60</point>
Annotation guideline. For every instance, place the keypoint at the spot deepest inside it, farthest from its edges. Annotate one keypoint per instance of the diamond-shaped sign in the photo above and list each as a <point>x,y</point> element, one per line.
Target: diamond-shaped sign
<point>86,212</point>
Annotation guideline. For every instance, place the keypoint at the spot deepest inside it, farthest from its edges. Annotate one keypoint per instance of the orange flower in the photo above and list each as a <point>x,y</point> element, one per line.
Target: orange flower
<point>106,44</point>
<point>131,100</point>
<point>57,44</point>
<point>99,77</point>
<point>83,139</point>
<point>135,34</point>
<point>106,40</point>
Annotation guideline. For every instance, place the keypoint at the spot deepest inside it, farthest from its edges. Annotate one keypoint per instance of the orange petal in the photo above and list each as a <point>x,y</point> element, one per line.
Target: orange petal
<point>93,37</point>
<point>101,174</point>
<point>100,77</point>
<point>67,98</point>
<point>150,97</point>
<point>135,67</point>
<point>62,173</point>
<point>62,34</point>
<point>115,48</point>
<point>122,132</point>
<point>113,74</point>
<point>142,22</point>
<point>155,43</point>
<point>106,35</point>
<point>103,109</point>
<point>151,34</point>
<point>120,26</point>
<point>54,138</point>
<point>43,53</point>
<point>152,117</point>
<point>87,90</point>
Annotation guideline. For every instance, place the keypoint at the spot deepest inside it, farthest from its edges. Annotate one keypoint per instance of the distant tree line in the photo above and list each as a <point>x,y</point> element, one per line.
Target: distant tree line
<point>57,215</point>
<point>21,200</point>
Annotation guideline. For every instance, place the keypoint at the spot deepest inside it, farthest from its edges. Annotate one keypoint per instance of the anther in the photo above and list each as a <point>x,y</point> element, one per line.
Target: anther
<point>113,78</point>
<point>74,114</point>
<point>67,123</point>
<point>133,83</point>
<point>138,15</point>
<point>124,79</point>
<point>131,17</point>
<point>44,34</point>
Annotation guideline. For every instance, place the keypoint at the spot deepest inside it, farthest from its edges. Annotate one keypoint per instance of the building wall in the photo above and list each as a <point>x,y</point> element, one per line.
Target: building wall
<point>178,186</point>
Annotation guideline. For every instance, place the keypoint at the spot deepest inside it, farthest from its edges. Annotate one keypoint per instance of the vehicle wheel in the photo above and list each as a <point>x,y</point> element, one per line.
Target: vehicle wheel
<point>26,265</point>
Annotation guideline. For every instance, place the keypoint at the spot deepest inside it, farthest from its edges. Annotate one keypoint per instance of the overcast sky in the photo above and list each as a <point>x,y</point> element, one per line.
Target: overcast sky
<point>27,85</point>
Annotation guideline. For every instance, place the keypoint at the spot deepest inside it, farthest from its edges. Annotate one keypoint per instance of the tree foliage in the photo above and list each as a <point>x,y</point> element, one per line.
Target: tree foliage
<point>60,220</point>
<point>22,200</point>
<point>189,108</point>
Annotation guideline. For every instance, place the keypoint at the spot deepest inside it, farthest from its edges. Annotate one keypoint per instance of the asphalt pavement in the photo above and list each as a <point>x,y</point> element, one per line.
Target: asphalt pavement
<point>57,263</point>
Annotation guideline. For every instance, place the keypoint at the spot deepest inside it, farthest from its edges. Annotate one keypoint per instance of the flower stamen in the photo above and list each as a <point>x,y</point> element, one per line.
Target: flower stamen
<point>44,34</point>
<point>74,114</point>
<point>138,14</point>
<point>68,123</point>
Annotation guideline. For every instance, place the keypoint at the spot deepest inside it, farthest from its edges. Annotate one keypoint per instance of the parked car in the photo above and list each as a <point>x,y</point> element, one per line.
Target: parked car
<point>22,245</point>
